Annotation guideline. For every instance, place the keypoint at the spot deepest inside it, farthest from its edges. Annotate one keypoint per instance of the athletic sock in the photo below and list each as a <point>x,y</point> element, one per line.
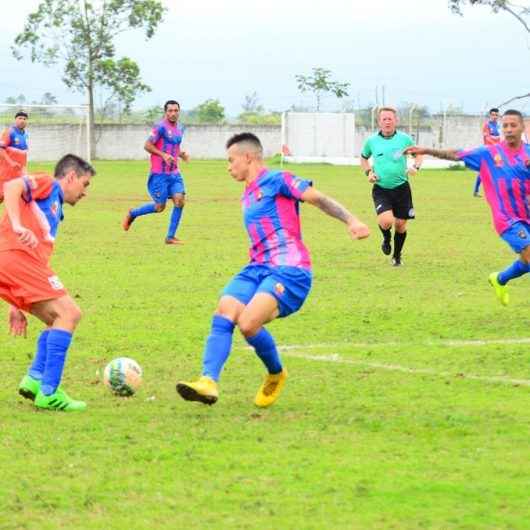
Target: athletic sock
<point>143,210</point>
<point>39,361</point>
<point>174,221</point>
<point>57,345</point>
<point>387,233</point>
<point>516,269</point>
<point>217,348</point>
<point>399,241</point>
<point>265,347</point>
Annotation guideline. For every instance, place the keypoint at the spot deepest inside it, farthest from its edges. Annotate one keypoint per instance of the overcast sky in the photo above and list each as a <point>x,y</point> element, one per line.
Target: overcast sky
<point>207,49</point>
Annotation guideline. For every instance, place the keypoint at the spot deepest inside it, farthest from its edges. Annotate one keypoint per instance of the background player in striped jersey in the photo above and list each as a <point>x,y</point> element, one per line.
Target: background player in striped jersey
<point>165,181</point>
<point>278,278</point>
<point>505,172</point>
<point>491,135</point>
<point>13,150</point>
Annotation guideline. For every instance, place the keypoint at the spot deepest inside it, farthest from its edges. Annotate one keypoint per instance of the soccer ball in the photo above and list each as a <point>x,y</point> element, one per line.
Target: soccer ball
<point>123,376</point>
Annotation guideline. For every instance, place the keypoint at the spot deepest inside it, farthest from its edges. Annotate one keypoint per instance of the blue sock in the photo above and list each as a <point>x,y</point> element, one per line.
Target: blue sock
<point>39,361</point>
<point>217,347</point>
<point>516,269</point>
<point>57,344</point>
<point>143,210</point>
<point>176,214</point>
<point>266,350</point>
<point>477,184</point>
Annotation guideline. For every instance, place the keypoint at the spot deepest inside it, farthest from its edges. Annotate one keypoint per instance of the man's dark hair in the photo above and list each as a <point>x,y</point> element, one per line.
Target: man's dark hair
<point>171,102</point>
<point>494,109</point>
<point>513,112</point>
<point>247,138</point>
<point>69,162</point>
<point>21,113</point>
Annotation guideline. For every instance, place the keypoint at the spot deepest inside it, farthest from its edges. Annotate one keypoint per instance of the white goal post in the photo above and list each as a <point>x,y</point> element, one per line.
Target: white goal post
<point>53,130</point>
<point>327,137</point>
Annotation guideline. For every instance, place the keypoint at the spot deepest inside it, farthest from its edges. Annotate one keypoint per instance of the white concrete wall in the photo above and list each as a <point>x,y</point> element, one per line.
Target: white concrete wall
<point>125,142</point>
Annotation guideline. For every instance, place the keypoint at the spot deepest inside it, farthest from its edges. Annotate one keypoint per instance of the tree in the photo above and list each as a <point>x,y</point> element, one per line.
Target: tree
<point>251,104</point>
<point>211,111</point>
<point>319,83</point>
<point>79,34</point>
<point>520,11</point>
<point>48,99</point>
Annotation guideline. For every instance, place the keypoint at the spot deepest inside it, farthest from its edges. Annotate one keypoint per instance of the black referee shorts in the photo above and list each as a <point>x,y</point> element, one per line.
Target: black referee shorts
<point>399,200</point>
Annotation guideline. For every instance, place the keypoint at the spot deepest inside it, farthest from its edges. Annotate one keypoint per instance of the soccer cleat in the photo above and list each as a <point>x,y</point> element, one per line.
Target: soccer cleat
<point>127,221</point>
<point>477,194</point>
<point>204,390</point>
<point>271,389</point>
<point>174,241</point>
<point>500,290</point>
<point>386,247</point>
<point>396,261</point>
<point>29,387</point>
<point>59,400</point>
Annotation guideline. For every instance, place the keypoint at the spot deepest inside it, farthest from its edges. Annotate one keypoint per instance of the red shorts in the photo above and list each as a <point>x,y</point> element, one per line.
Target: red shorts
<point>24,280</point>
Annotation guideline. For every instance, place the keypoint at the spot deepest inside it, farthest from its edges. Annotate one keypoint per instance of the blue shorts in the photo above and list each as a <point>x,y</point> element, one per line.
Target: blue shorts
<point>161,186</point>
<point>289,285</point>
<point>517,236</point>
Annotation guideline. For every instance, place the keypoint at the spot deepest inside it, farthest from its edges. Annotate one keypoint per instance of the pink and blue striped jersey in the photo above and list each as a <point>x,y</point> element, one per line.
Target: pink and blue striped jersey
<point>491,132</point>
<point>272,219</point>
<point>167,138</point>
<point>505,175</point>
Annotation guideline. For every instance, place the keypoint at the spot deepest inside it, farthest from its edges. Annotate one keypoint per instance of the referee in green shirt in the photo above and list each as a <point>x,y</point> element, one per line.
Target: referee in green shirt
<point>388,171</point>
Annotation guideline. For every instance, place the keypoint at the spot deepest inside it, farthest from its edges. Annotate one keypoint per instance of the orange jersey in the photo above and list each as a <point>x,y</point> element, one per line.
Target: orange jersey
<point>6,171</point>
<point>40,211</point>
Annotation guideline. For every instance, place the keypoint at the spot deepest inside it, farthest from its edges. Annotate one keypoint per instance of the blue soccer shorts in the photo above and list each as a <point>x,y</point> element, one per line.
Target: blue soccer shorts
<point>161,186</point>
<point>517,236</point>
<point>289,285</point>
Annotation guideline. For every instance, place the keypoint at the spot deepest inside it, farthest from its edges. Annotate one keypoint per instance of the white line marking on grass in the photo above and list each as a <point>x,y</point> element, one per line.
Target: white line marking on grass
<point>441,342</point>
<point>335,358</point>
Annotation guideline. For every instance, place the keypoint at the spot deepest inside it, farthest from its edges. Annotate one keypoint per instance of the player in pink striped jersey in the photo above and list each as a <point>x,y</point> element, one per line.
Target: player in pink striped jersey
<point>165,181</point>
<point>278,278</point>
<point>505,172</point>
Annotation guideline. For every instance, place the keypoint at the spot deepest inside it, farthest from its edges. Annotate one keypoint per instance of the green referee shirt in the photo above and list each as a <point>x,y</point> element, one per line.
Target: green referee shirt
<point>388,160</point>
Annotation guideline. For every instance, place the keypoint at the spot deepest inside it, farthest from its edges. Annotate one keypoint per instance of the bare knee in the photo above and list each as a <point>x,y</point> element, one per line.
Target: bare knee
<point>248,325</point>
<point>160,207</point>
<point>179,202</point>
<point>525,256</point>
<point>400,225</point>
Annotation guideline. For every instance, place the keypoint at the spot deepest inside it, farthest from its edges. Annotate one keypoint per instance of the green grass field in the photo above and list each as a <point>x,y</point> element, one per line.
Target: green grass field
<point>407,406</point>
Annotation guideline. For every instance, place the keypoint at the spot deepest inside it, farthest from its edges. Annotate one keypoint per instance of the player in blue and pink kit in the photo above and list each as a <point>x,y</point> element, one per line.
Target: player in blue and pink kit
<point>491,136</point>
<point>277,280</point>
<point>165,181</point>
<point>505,172</point>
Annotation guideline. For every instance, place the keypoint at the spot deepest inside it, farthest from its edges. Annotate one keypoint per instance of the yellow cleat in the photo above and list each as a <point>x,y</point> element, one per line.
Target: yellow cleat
<point>204,390</point>
<point>500,290</point>
<point>271,389</point>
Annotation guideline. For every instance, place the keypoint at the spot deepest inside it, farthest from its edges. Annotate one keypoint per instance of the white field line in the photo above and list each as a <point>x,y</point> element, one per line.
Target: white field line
<point>442,342</point>
<point>294,351</point>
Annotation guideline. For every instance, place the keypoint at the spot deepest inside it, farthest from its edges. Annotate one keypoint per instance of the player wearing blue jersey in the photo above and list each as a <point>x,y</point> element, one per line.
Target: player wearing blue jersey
<point>165,181</point>
<point>278,278</point>
<point>505,172</point>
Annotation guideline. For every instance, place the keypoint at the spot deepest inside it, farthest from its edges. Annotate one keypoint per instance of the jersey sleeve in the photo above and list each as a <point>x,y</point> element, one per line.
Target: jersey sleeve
<point>293,187</point>
<point>37,186</point>
<point>156,133</point>
<point>5,139</point>
<point>472,158</point>
<point>367,150</point>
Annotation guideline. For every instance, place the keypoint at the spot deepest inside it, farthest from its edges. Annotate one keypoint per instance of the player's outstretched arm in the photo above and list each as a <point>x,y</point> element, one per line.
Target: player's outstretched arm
<point>356,228</point>
<point>13,191</point>
<point>446,154</point>
<point>18,323</point>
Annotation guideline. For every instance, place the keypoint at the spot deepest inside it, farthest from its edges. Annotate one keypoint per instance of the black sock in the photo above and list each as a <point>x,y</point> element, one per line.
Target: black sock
<point>399,241</point>
<point>387,234</point>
